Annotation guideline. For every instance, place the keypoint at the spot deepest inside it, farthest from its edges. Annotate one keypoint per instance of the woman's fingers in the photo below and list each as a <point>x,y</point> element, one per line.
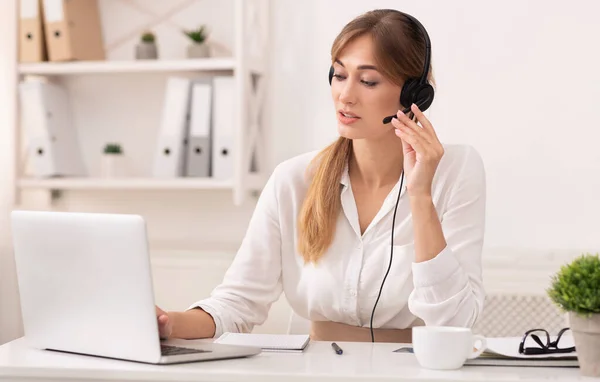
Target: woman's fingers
<point>427,126</point>
<point>427,152</point>
<point>410,137</point>
<point>412,125</point>
<point>164,324</point>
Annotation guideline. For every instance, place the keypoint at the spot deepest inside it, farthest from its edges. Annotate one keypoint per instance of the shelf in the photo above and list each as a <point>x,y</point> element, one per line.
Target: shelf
<point>125,184</point>
<point>140,66</point>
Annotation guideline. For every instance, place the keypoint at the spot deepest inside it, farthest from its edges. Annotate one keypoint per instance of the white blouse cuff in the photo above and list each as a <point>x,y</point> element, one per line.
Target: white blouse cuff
<point>436,270</point>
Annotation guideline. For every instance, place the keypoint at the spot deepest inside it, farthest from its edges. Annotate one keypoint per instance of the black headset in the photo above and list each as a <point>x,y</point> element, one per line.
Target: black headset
<point>414,90</point>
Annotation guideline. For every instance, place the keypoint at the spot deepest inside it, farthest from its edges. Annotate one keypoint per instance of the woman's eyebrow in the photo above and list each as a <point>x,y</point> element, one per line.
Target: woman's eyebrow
<point>360,67</point>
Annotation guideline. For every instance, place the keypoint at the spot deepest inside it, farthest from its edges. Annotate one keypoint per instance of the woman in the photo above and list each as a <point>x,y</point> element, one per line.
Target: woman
<point>322,229</point>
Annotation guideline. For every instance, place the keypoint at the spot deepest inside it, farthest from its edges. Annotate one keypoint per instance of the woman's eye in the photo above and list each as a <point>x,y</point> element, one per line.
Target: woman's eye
<point>369,83</point>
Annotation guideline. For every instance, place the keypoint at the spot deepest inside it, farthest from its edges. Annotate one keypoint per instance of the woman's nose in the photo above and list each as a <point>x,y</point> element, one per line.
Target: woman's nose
<point>347,94</point>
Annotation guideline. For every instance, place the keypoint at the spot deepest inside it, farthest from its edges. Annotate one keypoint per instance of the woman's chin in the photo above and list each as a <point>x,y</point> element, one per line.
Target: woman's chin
<point>350,131</point>
<point>356,132</point>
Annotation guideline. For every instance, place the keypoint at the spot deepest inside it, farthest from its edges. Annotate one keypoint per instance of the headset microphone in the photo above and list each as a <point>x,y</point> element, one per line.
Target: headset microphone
<point>389,119</point>
<point>421,104</point>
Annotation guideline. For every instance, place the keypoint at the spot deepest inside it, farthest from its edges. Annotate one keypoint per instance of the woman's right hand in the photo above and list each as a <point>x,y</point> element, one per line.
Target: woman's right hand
<point>165,323</point>
<point>190,324</point>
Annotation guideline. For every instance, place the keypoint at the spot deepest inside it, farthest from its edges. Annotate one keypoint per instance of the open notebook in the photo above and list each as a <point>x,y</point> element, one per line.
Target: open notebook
<point>504,352</point>
<point>267,342</point>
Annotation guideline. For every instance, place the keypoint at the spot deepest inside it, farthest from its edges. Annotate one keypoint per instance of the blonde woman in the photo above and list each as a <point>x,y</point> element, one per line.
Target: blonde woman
<point>385,201</point>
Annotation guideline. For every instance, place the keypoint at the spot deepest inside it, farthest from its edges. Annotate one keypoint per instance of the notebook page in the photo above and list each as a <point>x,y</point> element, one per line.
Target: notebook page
<point>509,347</point>
<point>265,341</point>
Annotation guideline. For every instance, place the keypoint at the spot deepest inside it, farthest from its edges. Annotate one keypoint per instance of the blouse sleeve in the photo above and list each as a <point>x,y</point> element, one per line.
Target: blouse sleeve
<point>448,289</point>
<point>253,281</point>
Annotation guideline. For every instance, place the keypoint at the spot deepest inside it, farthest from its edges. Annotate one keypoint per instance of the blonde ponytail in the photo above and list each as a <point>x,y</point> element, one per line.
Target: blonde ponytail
<point>321,207</point>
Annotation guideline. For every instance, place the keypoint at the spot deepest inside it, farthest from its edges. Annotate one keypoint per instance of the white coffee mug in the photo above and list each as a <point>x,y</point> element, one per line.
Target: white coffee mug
<point>444,347</point>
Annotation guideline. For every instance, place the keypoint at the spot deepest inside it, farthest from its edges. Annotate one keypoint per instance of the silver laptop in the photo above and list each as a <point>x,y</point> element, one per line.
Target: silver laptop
<point>86,287</point>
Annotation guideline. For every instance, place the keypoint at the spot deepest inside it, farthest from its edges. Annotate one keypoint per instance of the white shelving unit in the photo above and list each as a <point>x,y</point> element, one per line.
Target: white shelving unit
<point>248,67</point>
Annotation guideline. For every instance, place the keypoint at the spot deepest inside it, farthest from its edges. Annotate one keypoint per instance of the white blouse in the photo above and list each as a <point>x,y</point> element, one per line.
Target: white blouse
<point>343,285</point>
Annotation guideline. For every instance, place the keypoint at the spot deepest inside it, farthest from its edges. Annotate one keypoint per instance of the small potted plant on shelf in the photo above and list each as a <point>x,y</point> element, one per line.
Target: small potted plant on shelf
<point>113,161</point>
<point>199,47</point>
<point>146,49</point>
<point>576,290</point>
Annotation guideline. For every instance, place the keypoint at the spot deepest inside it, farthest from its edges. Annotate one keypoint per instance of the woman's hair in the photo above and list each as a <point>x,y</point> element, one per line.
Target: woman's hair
<point>399,51</point>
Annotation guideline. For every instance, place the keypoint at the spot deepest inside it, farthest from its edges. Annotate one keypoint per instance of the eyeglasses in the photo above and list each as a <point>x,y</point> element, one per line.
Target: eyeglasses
<point>548,347</point>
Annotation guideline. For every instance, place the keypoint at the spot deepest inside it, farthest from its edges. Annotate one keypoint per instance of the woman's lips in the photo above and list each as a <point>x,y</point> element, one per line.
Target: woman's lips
<point>346,120</point>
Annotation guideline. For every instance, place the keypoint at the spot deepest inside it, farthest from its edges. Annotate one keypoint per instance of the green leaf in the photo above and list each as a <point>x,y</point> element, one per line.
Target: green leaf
<point>198,35</point>
<point>576,286</point>
<point>148,37</point>
<point>113,148</point>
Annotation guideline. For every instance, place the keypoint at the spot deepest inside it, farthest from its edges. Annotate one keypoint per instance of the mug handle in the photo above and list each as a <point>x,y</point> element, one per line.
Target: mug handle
<point>478,352</point>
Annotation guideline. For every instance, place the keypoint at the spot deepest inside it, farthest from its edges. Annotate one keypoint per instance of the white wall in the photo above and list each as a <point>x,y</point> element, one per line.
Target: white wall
<point>517,79</point>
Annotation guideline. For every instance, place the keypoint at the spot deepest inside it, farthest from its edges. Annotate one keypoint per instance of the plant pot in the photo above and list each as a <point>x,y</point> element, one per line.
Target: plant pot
<point>113,166</point>
<point>586,334</point>
<point>198,50</point>
<point>146,51</point>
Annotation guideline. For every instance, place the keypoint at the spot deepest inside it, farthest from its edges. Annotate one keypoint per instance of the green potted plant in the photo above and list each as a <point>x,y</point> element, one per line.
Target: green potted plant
<point>146,49</point>
<point>576,290</point>
<point>198,47</point>
<point>113,161</point>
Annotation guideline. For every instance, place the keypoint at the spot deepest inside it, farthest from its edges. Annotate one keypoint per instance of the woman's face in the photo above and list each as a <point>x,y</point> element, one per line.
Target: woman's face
<point>361,95</point>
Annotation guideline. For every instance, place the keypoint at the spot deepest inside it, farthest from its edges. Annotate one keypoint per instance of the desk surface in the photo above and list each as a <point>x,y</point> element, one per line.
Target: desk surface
<point>360,361</point>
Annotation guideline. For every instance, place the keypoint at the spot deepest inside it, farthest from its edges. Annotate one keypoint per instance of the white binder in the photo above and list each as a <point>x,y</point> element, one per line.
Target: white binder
<point>169,159</point>
<point>223,127</point>
<point>199,150</point>
<point>52,142</point>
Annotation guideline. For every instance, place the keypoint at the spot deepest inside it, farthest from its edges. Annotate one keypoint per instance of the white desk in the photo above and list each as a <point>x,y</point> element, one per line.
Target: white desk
<point>360,361</point>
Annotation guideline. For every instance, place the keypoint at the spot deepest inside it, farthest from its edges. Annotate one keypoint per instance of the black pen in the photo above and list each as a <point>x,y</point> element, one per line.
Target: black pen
<point>337,349</point>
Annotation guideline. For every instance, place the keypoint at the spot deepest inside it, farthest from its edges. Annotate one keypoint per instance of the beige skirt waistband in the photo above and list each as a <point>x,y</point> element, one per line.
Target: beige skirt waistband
<point>335,331</point>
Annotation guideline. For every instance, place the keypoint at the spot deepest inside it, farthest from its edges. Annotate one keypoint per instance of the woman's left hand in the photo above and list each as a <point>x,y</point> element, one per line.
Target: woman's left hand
<point>422,151</point>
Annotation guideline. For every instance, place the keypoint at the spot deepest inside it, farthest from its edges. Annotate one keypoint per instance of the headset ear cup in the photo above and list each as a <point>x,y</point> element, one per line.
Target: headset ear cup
<point>413,92</point>
<point>424,96</point>
<point>330,74</point>
<point>407,95</point>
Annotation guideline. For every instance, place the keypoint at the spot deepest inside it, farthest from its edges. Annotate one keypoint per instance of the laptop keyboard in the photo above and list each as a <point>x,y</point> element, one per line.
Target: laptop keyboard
<point>167,350</point>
